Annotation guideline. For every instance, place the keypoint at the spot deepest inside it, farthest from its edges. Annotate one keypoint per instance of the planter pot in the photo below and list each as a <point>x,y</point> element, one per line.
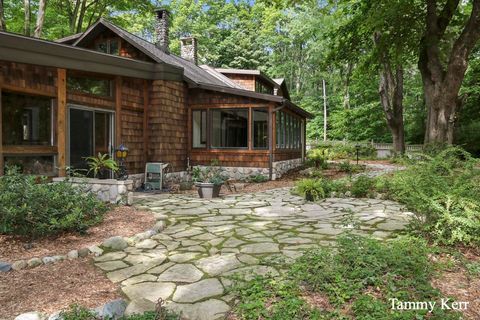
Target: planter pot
<point>208,190</point>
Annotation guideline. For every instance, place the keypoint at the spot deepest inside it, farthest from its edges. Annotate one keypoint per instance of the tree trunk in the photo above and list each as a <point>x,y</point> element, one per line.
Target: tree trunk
<point>26,25</point>
<point>442,82</point>
<point>3,25</point>
<point>42,4</point>
<point>391,98</point>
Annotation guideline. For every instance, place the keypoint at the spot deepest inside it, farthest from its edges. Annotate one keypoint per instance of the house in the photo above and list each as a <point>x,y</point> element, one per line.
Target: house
<point>88,93</point>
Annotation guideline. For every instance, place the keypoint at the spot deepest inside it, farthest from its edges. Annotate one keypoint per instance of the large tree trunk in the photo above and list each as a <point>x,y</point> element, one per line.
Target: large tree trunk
<point>441,82</point>
<point>3,25</point>
<point>391,98</point>
<point>26,25</point>
<point>42,4</point>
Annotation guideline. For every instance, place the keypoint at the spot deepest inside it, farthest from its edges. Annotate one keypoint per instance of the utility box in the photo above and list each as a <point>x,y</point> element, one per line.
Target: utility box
<point>154,175</point>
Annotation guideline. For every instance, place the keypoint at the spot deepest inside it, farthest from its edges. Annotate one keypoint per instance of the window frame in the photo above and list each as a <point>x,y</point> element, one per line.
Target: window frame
<point>264,109</point>
<point>211,131</point>
<point>203,110</point>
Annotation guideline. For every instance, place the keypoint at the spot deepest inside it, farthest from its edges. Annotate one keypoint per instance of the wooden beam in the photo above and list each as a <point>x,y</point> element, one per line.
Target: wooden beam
<point>146,103</point>
<point>36,92</point>
<point>61,121</point>
<point>30,150</point>
<point>118,110</point>
<point>1,138</point>
<point>250,131</point>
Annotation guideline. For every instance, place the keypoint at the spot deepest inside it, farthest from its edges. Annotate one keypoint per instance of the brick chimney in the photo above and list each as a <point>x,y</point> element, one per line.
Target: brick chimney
<point>188,49</point>
<point>162,26</point>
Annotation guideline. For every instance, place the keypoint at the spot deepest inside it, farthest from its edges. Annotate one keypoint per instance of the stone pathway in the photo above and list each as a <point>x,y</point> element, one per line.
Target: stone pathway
<point>189,263</point>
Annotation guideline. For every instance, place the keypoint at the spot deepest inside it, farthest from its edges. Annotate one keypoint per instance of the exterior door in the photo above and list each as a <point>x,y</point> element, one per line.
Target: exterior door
<point>90,133</point>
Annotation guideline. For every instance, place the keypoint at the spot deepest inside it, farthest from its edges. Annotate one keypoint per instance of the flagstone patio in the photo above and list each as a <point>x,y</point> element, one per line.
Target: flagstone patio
<point>189,263</point>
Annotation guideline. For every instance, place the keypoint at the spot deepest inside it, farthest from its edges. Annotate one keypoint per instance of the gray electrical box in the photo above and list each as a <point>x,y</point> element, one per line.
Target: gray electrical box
<point>154,176</point>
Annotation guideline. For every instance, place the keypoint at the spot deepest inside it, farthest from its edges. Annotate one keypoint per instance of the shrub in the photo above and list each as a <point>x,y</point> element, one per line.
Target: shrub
<point>319,157</point>
<point>258,178</point>
<point>444,191</point>
<point>362,186</point>
<point>311,189</point>
<point>30,206</point>
<point>349,168</point>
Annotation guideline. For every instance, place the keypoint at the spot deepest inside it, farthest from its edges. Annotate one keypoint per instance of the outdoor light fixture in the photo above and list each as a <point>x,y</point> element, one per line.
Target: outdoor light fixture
<point>357,147</point>
<point>121,154</point>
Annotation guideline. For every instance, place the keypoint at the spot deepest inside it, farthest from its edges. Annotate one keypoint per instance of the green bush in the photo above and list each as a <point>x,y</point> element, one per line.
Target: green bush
<point>319,157</point>
<point>258,178</point>
<point>362,186</point>
<point>358,279</point>
<point>311,189</point>
<point>348,150</point>
<point>349,168</point>
<point>444,191</point>
<point>30,206</point>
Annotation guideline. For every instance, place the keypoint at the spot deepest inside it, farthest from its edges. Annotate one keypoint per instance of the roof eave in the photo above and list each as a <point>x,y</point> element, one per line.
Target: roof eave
<point>21,49</point>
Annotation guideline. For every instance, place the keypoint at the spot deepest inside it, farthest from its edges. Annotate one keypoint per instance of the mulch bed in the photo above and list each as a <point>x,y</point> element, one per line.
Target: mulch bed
<point>121,221</point>
<point>462,286</point>
<point>50,288</point>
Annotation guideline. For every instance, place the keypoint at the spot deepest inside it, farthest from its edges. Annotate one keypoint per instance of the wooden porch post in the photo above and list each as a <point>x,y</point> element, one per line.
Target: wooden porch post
<point>118,110</point>
<point>1,138</point>
<point>145,120</point>
<point>61,120</point>
<point>270,139</point>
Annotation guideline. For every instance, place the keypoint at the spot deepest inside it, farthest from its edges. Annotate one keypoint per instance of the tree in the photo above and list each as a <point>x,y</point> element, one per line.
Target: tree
<point>40,18</point>
<point>391,97</point>
<point>3,26</point>
<point>26,23</point>
<point>442,78</point>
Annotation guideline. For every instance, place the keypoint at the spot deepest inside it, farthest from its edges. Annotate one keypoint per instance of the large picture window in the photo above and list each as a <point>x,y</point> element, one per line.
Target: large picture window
<point>26,120</point>
<point>260,129</point>
<point>199,128</point>
<point>229,128</point>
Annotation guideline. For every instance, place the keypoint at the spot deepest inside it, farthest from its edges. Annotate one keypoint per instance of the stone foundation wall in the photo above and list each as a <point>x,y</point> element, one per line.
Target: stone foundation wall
<point>243,173</point>
<point>108,190</point>
<point>281,167</point>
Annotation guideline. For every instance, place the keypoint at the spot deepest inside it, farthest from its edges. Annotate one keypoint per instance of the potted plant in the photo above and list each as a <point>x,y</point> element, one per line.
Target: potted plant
<point>209,181</point>
<point>100,164</point>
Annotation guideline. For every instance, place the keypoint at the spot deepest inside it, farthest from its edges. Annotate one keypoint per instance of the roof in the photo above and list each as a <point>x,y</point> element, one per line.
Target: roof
<point>257,73</point>
<point>192,72</point>
<point>282,84</point>
<point>69,39</point>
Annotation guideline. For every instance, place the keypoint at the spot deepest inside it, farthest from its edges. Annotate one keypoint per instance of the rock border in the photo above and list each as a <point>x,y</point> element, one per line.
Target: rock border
<point>111,244</point>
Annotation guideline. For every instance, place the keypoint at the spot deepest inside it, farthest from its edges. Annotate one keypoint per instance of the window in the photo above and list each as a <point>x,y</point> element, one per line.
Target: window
<point>288,131</point>
<point>199,129</point>
<point>260,129</point>
<point>278,128</point>
<point>260,87</point>
<point>230,128</point>
<point>109,46</point>
<point>90,85</point>
<point>26,120</point>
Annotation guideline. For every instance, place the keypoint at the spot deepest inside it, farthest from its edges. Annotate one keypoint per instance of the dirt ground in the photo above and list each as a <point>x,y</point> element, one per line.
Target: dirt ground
<point>123,221</point>
<point>457,283</point>
<point>50,288</point>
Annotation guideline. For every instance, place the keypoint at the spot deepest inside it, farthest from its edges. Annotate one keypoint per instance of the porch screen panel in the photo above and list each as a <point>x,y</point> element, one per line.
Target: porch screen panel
<point>260,129</point>
<point>26,120</point>
<point>229,128</point>
<point>199,128</point>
